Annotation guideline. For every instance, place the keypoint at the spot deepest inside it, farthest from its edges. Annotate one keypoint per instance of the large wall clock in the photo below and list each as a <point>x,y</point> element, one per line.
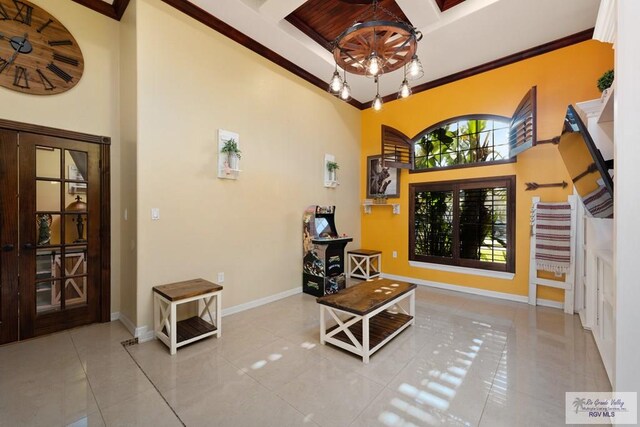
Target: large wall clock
<point>38,55</point>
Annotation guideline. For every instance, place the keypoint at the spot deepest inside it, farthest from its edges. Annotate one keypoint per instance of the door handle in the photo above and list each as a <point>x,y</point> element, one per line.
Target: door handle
<point>27,246</point>
<point>7,248</point>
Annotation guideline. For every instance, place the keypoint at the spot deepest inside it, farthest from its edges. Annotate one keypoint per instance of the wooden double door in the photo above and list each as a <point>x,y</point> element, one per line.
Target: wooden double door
<point>54,231</point>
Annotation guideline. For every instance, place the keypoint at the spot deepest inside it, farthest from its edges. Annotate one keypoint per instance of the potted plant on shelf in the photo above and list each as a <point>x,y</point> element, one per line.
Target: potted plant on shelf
<point>332,167</point>
<point>605,81</point>
<point>230,148</point>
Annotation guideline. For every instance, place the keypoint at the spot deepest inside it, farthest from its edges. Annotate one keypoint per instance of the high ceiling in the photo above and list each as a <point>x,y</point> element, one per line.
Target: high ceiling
<point>458,34</point>
<point>465,35</point>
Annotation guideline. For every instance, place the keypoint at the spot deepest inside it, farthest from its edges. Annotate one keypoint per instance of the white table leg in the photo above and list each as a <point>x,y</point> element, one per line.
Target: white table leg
<point>323,329</point>
<point>365,339</point>
<point>156,315</point>
<point>219,313</point>
<point>412,306</point>
<point>174,330</point>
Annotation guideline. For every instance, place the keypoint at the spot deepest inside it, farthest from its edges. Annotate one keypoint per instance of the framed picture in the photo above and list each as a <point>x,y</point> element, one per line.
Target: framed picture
<point>382,180</point>
<point>76,187</point>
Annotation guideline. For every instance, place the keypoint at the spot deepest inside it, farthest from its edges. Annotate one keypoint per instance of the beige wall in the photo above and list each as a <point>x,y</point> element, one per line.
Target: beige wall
<point>90,107</point>
<point>129,138</point>
<point>193,81</point>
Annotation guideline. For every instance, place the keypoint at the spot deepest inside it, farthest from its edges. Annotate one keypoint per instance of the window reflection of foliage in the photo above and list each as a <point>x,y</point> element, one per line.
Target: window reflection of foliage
<point>462,142</point>
<point>479,212</point>
<point>483,234</point>
<point>459,143</point>
<point>434,223</point>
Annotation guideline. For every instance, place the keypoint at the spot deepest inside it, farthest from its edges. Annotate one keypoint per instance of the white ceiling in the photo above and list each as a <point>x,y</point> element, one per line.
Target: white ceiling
<point>470,34</point>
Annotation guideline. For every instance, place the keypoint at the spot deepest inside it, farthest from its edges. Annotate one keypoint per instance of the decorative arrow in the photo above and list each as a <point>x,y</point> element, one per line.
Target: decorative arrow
<point>534,185</point>
<point>590,169</point>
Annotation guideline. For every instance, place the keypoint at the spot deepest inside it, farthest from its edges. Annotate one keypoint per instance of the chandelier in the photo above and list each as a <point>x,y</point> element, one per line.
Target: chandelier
<point>373,47</point>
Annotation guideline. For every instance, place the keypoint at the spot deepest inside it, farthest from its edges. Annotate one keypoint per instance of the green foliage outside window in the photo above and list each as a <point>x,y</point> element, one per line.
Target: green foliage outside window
<point>463,142</point>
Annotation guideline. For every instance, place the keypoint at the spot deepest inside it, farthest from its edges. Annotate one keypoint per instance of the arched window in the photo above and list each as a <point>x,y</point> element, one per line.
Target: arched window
<point>462,141</point>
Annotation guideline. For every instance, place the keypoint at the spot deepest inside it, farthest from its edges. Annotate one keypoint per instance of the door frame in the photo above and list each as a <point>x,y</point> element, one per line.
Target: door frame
<point>105,199</point>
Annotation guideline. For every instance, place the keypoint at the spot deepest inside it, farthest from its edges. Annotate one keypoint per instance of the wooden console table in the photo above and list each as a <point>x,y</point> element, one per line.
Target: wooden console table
<point>372,314</point>
<point>166,300</point>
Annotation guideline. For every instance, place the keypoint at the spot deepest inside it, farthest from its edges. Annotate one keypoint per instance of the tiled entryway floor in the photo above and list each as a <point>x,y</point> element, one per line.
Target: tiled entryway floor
<point>467,361</point>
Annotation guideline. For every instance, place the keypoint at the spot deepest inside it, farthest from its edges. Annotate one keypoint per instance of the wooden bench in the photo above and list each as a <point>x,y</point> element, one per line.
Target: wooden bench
<point>178,333</point>
<point>372,314</point>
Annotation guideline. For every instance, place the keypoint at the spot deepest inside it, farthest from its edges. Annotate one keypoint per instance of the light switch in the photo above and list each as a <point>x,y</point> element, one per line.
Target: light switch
<point>155,214</point>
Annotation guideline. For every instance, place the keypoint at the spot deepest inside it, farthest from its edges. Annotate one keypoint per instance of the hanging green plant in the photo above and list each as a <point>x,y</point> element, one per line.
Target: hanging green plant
<point>605,81</point>
<point>230,148</point>
<point>332,166</point>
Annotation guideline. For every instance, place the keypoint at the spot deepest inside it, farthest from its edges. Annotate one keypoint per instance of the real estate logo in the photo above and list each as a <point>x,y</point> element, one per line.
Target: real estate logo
<point>601,408</point>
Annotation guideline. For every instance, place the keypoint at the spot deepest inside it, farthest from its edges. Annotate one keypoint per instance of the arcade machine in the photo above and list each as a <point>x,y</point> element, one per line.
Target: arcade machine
<point>323,252</point>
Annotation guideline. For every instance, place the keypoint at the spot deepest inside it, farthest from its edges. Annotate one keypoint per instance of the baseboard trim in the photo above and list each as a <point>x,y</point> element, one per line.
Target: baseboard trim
<point>262,301</point>
<point>475,291</point>
<point>550,303</point>
<point>144,334</point>
<point>127,323</point>
<point>115,316</point>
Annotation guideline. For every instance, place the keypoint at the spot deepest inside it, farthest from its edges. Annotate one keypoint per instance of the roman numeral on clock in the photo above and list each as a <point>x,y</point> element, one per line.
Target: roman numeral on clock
<point>24,12</point>
<point>21,79</point>
<point>60,43</point>
<point>3,64</point>
<point>45,81</point>
<point>65,59</point>
<point>3,13</point>
<point>59,72</point>
<point>45,25</point>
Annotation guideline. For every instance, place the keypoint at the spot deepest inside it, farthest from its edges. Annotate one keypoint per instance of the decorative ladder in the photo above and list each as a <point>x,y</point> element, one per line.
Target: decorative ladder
<point>568,284</point>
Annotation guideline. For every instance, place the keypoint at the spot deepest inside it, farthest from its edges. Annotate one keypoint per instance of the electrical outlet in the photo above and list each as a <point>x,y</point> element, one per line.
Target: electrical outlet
<point>220,278</point>
<point>394,254</point>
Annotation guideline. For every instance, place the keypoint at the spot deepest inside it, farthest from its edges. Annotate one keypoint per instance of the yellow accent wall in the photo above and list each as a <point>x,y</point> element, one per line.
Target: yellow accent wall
<point>562,77</point>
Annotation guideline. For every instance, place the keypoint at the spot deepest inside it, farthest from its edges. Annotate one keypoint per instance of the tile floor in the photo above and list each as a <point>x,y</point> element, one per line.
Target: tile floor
<point>467,361</point>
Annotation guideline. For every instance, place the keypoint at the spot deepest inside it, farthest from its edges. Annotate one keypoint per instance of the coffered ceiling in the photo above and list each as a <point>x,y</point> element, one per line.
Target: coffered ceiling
<point>458,35</point>
<point>465,35</point>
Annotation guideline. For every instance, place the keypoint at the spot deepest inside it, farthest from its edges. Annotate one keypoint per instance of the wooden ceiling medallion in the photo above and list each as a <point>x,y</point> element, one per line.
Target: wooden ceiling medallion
<point>324,20</point>
<point>393,42</point>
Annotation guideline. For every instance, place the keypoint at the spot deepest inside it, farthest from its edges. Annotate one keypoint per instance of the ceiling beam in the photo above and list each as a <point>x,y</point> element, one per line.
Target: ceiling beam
<point>113,11</point>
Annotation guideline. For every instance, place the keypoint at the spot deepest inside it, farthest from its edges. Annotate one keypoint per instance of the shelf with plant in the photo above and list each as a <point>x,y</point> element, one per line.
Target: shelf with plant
<point>232,151</point>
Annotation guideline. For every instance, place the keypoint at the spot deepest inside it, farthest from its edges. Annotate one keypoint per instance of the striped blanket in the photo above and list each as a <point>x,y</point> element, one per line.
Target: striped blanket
<point>553,237</point>
<point>599,203</point>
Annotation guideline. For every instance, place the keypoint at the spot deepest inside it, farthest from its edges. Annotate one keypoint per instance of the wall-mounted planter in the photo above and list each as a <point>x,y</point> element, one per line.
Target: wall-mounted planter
<point>228,163</point>
<point>330,176</point>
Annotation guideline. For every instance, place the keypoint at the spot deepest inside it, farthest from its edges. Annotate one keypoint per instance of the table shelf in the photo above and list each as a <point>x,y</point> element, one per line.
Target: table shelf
<point>381,326</point>
<point>192,327</point>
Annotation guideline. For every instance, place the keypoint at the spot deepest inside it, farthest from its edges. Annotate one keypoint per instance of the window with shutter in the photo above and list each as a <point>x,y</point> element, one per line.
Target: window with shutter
<point>467,223</point>
<point>397,148</point>
<point>522,129</point>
